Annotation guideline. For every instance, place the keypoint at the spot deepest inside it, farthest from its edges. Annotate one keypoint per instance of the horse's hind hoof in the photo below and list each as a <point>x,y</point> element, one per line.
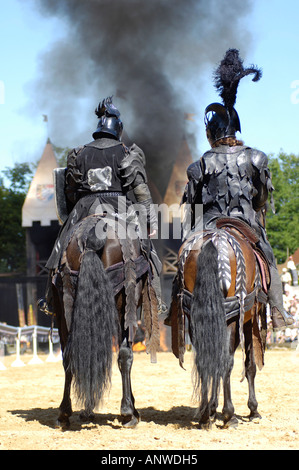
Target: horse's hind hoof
<point>86,417</point>
<point>130,421</point>
<point>206,426</point>
<point>62,424</point>
<point>255,416</point>
<point>231,423</point>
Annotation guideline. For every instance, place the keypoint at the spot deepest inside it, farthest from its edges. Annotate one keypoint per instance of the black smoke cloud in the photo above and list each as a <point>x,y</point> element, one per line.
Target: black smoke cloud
<point>151,55</point>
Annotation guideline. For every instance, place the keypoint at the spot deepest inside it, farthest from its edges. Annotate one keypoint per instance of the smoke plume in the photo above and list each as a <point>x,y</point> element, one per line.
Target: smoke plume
<point>150,54</point>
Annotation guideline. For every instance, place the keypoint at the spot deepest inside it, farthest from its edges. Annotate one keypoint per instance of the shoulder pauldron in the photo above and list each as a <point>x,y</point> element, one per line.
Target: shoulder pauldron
<point>260,161</point>
<point>132,167</point>
<point>72,169</point>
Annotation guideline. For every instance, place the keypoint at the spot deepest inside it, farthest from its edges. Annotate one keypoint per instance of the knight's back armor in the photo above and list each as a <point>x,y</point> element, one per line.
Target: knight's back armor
<point>96,175</point>
<point>95,168</point>
<point>230,182</point>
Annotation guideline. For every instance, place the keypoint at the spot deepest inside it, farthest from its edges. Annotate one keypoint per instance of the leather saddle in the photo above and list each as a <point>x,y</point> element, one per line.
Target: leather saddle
<point>248,232</point>
<point>252,237</point>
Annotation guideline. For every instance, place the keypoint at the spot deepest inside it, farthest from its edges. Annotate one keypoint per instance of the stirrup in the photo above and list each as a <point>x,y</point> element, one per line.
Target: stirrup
<point>44,307</point>
<point>164,314</point>
<point>163,309</point>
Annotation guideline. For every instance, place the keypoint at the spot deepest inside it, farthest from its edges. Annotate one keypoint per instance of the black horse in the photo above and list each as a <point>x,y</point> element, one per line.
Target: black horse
<point>221,289</point>
<point>101,282</point>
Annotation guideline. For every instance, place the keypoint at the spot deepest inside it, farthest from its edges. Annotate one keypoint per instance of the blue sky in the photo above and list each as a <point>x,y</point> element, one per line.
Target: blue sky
<point>268,109</point>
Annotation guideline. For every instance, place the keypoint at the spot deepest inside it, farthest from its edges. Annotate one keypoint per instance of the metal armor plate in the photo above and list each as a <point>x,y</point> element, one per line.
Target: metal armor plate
<point>99,179</point>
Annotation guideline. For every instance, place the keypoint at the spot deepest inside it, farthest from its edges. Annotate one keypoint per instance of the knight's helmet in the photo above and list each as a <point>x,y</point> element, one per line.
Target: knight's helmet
<point>109,120</point>
<point>222,120</point>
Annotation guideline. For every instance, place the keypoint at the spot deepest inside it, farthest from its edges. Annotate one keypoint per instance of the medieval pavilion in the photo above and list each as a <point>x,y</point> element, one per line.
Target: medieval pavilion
<point>40,221</point>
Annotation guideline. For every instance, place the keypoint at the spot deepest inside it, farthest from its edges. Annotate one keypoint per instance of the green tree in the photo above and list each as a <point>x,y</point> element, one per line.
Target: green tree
<point>12,197</point>
<point>283,226</point>
<point>61,155</point>
<point>12,234</point>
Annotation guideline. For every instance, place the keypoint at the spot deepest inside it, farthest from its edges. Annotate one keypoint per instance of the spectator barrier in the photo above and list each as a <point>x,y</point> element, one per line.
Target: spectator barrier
<point>34,332</point>
<point>43,334</point>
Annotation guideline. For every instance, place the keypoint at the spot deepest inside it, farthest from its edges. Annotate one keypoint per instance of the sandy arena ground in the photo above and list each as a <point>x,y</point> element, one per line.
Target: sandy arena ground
<point>30,397</point>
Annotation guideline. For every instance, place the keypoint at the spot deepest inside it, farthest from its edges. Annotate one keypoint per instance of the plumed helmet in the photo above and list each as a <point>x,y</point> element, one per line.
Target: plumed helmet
<point>220,123</point>
<point>222,120</point>
<point>109,120</point>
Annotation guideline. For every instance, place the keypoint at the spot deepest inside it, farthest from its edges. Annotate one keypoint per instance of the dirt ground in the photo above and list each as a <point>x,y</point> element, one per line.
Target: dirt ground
<point>30,397</point>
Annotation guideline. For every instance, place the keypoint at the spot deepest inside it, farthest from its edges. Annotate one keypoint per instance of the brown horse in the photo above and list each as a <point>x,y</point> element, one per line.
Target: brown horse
<point>97,289</point>
<point>219,289</point>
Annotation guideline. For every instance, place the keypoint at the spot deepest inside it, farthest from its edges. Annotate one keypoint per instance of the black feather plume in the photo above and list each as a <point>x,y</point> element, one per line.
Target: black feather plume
<point>228,75</point>
<point>101,109</point>
<point>107,107</point>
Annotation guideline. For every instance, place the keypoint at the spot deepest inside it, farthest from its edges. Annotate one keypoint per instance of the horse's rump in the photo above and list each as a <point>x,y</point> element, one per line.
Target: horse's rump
<point>128,269</point>
<point>243,278</point>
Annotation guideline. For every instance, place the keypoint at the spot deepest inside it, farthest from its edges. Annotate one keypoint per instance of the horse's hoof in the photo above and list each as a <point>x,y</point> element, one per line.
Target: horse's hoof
<point>130,421</point>
<point>86,417</point>
<point>255,416</point>
<point>62,423</point>
<point>231,423</point>
<point>206,426</point>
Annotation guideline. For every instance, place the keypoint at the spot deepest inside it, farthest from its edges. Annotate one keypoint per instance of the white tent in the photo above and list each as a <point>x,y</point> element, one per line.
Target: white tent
<point>39,205</point>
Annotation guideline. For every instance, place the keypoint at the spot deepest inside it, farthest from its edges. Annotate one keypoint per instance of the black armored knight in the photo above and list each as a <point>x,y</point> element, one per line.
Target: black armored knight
<point>233,179</point>
<point>99,175</point>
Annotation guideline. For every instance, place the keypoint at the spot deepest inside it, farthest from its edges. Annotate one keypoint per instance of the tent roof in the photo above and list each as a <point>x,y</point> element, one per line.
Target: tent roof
<point>39,205</point>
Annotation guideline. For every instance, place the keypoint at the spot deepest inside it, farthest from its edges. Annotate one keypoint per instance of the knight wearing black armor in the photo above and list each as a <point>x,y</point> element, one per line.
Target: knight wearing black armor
<point>232,179</point>
<point>98,174</point>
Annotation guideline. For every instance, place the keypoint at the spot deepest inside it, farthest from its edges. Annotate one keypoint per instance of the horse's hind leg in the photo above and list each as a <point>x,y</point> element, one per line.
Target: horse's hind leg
<point>250,372</point>
<point>130,416</point>
<point>66,404</point>
<point>65,409</point>
<point>213,402</point>
<point>228,410</point>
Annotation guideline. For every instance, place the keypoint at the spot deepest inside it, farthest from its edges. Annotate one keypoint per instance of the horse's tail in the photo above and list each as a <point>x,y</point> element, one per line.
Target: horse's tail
<point>88,353</point>
<point>208,326</point>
